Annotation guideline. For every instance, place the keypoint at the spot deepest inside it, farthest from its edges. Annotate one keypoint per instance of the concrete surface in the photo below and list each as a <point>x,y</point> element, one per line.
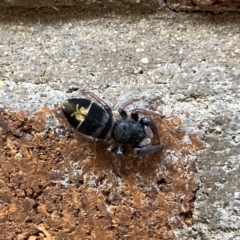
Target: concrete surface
<point>188,65</point>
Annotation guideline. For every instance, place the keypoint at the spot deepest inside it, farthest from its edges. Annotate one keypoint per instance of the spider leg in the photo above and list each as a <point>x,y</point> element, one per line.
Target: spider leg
<point>136,111</point>
<point>90,138</point>
<point>148,149</point>
<point>121,110</point>
<point>129,102</point>
<point>121,150</point>
<point>147,121</point>
<point>111,148</point>
<point>100,101</point>
<point>144,142</point>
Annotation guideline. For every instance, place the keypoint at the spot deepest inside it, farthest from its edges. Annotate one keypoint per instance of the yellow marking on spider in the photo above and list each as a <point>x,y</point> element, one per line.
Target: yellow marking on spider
<point>81,112</point>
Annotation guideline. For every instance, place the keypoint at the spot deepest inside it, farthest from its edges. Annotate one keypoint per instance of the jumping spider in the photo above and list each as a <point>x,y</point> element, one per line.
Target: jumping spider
<point>97,123</point>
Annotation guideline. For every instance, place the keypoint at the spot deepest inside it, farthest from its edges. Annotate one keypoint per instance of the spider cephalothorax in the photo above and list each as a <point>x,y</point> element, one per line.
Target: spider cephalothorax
<point>97,123</point>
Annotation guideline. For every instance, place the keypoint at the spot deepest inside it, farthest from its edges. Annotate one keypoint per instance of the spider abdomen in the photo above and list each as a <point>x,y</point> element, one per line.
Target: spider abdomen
<point>128,132</point>
<point>87,117</point>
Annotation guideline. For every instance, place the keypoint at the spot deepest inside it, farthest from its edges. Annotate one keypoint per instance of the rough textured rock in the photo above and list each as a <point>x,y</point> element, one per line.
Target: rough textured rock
<point>183,65</point>
<point>55,185</point>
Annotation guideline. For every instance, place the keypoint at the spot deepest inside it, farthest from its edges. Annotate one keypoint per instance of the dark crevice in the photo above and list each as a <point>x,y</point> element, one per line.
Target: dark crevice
<point>73,89</point>
<point>161,181</point>
<point>170,8</point>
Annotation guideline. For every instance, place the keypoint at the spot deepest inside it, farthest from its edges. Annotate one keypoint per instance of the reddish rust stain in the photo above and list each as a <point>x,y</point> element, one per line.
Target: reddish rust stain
<point>56,185</point>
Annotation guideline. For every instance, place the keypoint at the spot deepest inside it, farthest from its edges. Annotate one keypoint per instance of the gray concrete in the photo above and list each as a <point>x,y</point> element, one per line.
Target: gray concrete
<point>187,63</point>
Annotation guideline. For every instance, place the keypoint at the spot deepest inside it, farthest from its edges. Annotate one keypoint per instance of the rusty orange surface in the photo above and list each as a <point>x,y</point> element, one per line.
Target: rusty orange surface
<point>56,185</point>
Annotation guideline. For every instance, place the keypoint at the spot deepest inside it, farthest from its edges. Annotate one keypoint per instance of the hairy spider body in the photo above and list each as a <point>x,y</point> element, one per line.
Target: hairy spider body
<point>96,122</point>
<point>128,132</point>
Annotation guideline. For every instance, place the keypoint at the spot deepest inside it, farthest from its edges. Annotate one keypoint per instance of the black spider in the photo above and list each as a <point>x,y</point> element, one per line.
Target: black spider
<point>97,123</point>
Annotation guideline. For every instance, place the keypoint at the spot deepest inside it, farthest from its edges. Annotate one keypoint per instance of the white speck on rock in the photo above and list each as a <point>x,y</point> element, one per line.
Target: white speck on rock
<point>144,60</point>
<point>186,139</point>
<point>237,72</point>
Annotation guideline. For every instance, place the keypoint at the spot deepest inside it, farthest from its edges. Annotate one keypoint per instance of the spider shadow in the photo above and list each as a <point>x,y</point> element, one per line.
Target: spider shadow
<point>127,163</point>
